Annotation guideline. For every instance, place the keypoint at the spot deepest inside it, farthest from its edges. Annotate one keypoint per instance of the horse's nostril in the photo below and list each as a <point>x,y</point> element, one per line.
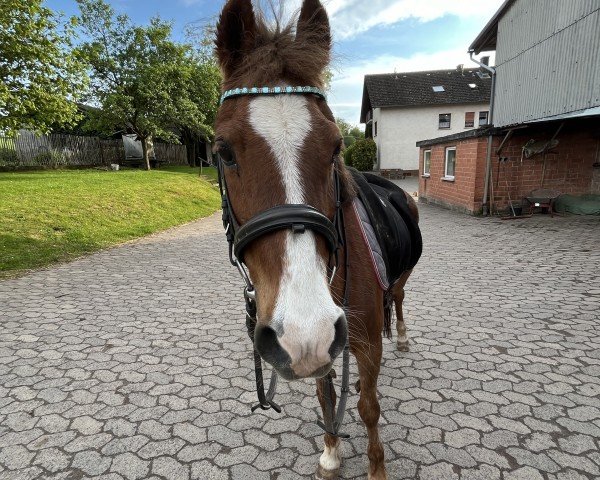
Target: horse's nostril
<point>267,345</point>
<point>339,340</point>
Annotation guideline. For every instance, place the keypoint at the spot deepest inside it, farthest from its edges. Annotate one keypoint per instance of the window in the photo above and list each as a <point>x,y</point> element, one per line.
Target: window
<point>438,88</point>
<point>375,129</point>
<point>469,119</point>
<point>450,166</point>
<point>426,162</point>
<point>444,121</point>
<point>483,118</point>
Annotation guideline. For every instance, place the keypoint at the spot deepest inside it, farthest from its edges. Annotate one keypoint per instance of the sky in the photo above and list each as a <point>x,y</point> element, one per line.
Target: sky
<point>370,36</point>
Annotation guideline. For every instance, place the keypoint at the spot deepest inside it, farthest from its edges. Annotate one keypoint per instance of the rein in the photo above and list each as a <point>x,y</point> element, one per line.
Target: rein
<point>298,218</point>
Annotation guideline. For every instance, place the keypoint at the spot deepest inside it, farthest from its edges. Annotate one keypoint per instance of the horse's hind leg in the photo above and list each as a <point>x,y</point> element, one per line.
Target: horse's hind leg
<point>398,296</point>
<point>368,405</point>
<point>331,459</point>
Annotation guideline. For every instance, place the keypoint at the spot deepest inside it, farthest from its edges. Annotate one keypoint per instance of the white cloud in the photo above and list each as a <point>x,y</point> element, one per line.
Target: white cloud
<point>351,17</point>
<point>347,85</point>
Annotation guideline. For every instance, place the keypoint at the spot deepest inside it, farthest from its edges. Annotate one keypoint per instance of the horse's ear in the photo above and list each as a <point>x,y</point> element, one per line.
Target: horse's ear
<point>236,32</point>
<point>313,27</point>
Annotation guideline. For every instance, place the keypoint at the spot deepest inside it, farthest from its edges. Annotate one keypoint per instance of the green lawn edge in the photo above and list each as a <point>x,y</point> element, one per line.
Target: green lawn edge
<point>55,216</point>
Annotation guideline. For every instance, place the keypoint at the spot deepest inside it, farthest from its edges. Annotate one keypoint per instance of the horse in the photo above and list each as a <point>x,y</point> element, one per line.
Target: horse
<point>289,209</point>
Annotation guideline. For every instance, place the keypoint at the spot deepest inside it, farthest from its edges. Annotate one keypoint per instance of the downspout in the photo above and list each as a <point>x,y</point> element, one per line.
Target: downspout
<point>488,160</point>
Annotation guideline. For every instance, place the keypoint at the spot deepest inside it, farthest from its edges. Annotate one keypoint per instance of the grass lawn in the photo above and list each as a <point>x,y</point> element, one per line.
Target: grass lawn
<point>56,215</point>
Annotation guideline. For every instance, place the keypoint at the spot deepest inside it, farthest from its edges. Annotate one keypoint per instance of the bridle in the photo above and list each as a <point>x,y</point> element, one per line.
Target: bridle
<point>297,218</point>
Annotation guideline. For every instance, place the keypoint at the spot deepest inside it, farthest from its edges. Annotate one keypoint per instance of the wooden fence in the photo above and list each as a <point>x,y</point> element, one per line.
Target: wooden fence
<point>55,150</point>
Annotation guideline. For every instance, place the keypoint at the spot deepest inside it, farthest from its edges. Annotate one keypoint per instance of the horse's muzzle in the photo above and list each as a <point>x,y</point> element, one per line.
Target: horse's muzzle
<point>309,364</point>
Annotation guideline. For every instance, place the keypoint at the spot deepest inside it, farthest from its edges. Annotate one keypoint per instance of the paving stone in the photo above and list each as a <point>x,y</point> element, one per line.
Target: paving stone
<point>437,472</point>
<point>130,466</point>
<point>577,444</point>
<point>91,463</point>
<point>170,469</point>
<point>135,363</point>
<point>524,473</point>
<point>206,469</point>
<point>539,461</point>
<point>52,459</point>
<point>190,433</point>
<point>244,472</point>
<point>87,425</point>
<point>15,457</point>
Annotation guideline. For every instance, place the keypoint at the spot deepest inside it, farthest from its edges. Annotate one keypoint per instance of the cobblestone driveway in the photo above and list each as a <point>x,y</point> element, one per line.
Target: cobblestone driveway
<point>134,363</point>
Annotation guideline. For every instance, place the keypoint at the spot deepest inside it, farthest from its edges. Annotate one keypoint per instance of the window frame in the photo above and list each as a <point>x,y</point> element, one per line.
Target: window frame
<point>446,177</point>
<point>470,124</point>
<point>449,115</point>
<point>487,118</point>
<point>426,173</point>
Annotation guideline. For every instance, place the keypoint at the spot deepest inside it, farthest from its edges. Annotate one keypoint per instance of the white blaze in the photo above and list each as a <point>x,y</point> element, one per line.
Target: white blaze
<point>304,303</point>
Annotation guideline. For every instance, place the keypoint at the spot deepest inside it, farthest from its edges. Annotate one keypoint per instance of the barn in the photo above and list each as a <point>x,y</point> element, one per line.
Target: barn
<point>544,136</point>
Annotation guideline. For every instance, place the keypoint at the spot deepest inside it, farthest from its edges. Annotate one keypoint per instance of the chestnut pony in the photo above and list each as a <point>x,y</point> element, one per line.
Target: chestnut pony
<point>282,150</point>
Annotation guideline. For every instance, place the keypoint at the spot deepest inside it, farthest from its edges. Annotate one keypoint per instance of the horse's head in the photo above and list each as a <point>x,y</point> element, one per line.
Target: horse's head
<point>278,150</point>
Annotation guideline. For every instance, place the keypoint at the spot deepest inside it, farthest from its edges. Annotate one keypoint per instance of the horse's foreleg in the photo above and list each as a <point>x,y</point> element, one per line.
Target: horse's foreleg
<point>331,459</point>
<point>398,295</point>
<point>368,407</point>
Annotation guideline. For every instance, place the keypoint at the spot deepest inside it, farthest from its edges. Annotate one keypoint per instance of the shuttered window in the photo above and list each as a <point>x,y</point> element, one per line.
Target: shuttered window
<point>469,119</point>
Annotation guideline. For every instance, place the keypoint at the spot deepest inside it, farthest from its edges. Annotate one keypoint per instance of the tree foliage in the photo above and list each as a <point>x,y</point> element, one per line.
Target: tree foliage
<point>349,132</point>
<point>142,80</point>
<point>40,77</point>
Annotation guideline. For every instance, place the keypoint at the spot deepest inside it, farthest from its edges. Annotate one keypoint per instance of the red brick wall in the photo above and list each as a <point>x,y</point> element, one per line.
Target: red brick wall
<point>569,168</point>
<point>459,193</point>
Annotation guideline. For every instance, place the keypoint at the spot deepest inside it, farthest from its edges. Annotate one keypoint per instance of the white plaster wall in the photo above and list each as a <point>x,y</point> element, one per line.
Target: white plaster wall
<point>399,129</point>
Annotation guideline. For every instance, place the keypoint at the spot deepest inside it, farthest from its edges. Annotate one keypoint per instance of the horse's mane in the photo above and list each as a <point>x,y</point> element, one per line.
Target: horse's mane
<point>279,55</point>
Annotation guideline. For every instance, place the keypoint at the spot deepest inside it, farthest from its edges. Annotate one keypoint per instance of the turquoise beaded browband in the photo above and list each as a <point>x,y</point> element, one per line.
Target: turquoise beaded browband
<point>236,92</point>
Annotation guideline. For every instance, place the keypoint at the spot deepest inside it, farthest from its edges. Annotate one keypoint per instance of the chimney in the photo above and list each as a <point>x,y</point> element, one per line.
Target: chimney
<point>485,61</point>
<point>460,68</point>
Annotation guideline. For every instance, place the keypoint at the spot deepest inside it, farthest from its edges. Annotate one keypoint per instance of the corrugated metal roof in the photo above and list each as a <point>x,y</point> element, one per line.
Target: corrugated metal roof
<point>420,88</point>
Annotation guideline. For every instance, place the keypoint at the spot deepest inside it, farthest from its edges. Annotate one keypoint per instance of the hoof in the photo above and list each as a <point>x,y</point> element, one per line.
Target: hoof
<point>380,475</point>
<point>323,474</point>
<point>403,346</point>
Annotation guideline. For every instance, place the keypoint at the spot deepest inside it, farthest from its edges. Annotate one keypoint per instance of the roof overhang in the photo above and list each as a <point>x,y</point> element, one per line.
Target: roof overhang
<point>587,112</point>
<point>486,40</point>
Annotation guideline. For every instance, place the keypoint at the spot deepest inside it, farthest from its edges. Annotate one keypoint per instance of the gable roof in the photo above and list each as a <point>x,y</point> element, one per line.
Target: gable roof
<point>413,89</point>
<point>487,38</point>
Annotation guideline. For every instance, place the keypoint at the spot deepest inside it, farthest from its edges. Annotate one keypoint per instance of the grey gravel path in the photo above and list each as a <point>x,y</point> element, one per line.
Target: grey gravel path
<point>134,363</point>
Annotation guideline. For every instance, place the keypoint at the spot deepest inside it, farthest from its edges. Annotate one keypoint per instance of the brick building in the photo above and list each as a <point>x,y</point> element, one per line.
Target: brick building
<point>545,110</point>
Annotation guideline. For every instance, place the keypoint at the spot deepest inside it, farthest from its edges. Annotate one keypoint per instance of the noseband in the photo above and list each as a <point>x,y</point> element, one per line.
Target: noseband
<point>296,218</point>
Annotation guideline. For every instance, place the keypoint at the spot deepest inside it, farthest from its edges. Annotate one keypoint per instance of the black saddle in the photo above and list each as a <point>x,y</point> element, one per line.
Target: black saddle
<point>395,227</point>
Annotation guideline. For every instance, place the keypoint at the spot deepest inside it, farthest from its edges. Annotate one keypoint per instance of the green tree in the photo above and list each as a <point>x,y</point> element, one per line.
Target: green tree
<point>144,81</point>
<point>344,126</point>
<point>40,76</point>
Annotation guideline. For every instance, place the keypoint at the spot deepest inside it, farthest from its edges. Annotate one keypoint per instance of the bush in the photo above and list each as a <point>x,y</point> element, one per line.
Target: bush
<point>8,157</point>
<point>348,155</point>
<point>50,158</point>
<point>364,155</point>
<point>349,141</point>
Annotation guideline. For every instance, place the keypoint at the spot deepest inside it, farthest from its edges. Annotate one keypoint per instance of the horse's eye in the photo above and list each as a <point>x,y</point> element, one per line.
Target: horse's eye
<point>338,148</point>
<point>226,154</point>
